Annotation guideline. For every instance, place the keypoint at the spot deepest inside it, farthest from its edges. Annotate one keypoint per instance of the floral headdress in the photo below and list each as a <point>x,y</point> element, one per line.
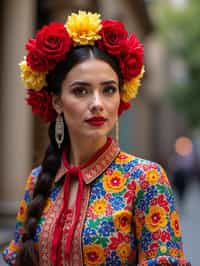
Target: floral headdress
<point>54,41</point>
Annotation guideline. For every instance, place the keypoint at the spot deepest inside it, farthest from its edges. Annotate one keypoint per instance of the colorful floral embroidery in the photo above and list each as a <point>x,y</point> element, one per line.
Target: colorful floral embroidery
<point>93,255</point>
<point>99,206</point>
<point>115,182</point>
<point>22,213</point>
<point>152,177</point>
<point>122,220</point>
<point>130,209</point>
<point>123,251</point>
<point>156,218</point>
<point>175,224</point>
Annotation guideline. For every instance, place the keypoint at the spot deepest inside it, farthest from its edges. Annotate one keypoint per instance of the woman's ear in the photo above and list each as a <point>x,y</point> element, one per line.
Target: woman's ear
<point>57,103</point>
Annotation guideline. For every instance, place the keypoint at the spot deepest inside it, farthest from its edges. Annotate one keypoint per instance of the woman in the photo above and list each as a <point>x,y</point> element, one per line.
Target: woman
<point>90,203</point>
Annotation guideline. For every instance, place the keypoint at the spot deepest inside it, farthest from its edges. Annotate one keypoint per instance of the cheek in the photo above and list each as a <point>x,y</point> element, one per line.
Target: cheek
<point>113,107</point>
<point>71,109</point>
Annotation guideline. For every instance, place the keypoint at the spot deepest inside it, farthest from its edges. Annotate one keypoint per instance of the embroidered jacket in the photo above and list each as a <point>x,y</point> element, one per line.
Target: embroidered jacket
<point>128,216</point>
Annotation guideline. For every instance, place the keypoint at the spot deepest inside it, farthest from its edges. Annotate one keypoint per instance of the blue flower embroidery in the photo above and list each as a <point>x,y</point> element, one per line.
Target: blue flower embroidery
<point>106,228</point>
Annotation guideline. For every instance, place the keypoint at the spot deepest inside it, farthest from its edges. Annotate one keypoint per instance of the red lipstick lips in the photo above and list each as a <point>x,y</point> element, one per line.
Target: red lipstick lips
<point>96,121</point>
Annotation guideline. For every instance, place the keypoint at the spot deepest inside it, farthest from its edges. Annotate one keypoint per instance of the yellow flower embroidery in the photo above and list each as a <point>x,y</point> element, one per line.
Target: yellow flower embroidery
<point>174,252</point>
<point>29,182</point>
<point>163,249</point>
<point>13,246</point>
<point>174,221</point>
<point>123,251</point>
<point>93,254</point>
<point>156,218</point>
<point>124,158</point>
<point>84,27</point>
<point>122,220</point>
<point>47,205</point>
<point>115,182</point>
<point>152,176</point>
<point>99,206</point>
<point>22,213</point>
<point>130,88</point>
<point>32,79</point>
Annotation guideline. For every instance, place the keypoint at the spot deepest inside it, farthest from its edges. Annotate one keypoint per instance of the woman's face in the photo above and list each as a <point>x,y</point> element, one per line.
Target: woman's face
<point>90,99</point>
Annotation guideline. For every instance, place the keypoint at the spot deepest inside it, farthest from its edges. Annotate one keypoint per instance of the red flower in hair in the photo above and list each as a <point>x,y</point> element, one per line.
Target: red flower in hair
<point>50,46</point>
<point>114,36</point>
<point>41,103</point>
<point>123,106</point>
<point>53,41</point>
<point>131,63</point>
<point>38,62</point>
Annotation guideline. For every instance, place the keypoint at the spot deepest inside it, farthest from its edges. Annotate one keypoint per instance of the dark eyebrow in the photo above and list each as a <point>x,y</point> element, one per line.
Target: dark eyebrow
<point>80,83</point>
<point>108,82</point>
<point>83,83</point>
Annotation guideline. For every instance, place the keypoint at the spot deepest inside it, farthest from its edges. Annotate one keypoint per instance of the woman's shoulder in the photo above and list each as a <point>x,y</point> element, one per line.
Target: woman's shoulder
<point>133,161</point>
<point>143,171</point>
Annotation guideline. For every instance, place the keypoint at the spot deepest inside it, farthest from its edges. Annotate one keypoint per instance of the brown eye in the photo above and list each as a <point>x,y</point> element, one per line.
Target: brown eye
<point>80,91</point>
<point>110,90</point>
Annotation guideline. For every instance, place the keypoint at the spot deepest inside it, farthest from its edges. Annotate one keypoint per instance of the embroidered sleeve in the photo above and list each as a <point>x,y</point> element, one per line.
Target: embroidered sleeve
<point>156,220</point>
<point>10,252</point>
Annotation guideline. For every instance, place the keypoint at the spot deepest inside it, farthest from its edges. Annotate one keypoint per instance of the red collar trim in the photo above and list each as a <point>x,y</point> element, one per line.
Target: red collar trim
<point>97,164</point>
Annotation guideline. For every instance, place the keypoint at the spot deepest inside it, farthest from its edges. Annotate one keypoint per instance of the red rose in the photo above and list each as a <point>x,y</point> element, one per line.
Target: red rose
<point>123,106</point>
<point>30,45</point>
<point>131,63</point>
<point>41,103</point>
<point>37,62</point>
<point>53,41</point>
<point>113,35</point>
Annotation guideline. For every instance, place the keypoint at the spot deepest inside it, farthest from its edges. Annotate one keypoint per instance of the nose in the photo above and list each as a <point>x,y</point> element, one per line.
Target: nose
<point>96,103</point>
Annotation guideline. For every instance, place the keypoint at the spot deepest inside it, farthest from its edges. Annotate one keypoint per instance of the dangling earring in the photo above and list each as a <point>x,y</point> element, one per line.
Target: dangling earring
<point>59,130</point>
<point>117,130</point>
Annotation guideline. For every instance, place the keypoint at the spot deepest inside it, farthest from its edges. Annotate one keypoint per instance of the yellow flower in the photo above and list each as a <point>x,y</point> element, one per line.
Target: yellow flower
<point>22,213</point>
<point>114,182</point>
<point>99,206</point>
<point>29,182</point>
<point>156,218</point>
<point>123,251</point>
<point>122,220</point>
<point>130,88</point>
<point>32,79</point>
<point>174,221</point>
<point>84,27</point>
<point>124,158</point>
<point>93,255</point>
<point>152,176</point>
<point>163,249</point>
<point>47,205</point>
<point>13,246</point>
<point>174,252</point>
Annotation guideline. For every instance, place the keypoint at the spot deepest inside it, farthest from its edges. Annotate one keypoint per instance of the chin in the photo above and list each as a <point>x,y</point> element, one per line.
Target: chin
<point>97,134</point>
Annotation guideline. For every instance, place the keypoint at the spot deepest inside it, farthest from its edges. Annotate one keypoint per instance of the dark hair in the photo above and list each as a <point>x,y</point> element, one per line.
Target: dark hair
<point>28,255</point>
<point>76,56</point>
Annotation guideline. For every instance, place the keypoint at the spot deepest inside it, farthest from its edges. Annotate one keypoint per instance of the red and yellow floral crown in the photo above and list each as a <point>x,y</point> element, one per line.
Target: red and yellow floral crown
<point>52,43</point>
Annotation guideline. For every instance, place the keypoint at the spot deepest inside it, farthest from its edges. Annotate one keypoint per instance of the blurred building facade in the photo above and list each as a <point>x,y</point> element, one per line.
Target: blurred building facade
<point>145,129</point>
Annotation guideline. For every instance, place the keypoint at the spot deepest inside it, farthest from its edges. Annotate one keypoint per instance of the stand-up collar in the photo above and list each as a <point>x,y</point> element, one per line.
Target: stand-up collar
<point>97,164</point>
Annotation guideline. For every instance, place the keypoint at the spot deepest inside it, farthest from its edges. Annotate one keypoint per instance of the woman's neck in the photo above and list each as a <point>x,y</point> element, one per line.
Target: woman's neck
<point>83,150</point>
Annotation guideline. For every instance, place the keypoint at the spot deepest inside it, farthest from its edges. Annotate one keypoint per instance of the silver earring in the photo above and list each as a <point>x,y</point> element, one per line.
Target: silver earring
<point>59,130</point>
